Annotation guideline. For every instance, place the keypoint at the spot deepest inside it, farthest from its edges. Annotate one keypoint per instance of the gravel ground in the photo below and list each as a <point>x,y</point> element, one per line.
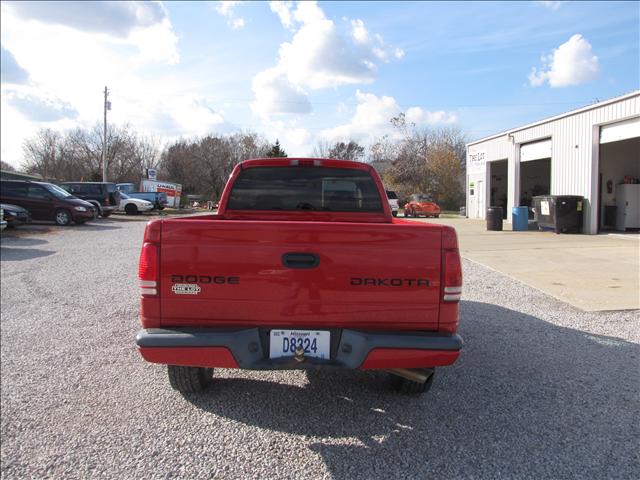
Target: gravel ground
<point>541,390</point>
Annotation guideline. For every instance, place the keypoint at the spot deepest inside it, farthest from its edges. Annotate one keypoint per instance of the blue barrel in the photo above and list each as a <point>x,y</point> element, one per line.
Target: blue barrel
<point>520,219</point>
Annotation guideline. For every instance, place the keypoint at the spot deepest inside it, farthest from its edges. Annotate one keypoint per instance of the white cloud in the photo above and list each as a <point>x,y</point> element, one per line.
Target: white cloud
<point>184,116</point>
<point>38,107</point>
<point>226,9</point>
<point>295,140</point>
<point>113,18</point>
<point>572,63</point>
<point>10,69</point>
<point>237,23</point>
<point>283,10</point>
<point>419,116</point>
<point>143,25</point>
<point>359,32</point>
<point>308,12</point>
<point>372,119</point>
<point>275,94</point>
<point>319,56</point>
<point>550,4</point>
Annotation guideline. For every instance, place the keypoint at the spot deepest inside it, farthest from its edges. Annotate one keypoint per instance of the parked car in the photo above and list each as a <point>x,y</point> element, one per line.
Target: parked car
<point>15,215</point>
<point>281,278</point>
<point>133,206</point>
<point>393,202</point>
<point>104,196</point>
<point>3,223</point>
<point>46,201</point>
<point>158,199</point>
<point>421,204</point>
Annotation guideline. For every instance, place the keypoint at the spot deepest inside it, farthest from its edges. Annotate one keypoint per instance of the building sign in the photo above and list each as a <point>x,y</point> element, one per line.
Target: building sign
<point>476,161</point>
<point>152,173</point>
<point>477,157</point>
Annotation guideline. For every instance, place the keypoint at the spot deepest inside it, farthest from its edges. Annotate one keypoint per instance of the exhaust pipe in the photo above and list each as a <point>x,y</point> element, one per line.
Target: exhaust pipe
<point>419,376</point>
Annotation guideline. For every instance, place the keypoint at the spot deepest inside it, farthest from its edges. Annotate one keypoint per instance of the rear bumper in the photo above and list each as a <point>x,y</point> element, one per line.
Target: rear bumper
<point>248,348</point>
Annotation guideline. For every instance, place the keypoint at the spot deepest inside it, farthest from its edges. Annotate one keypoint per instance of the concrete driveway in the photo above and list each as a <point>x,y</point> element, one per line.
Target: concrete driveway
<point>590,272</point>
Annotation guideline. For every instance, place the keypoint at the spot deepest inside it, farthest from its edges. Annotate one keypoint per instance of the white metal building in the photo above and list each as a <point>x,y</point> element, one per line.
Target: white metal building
<point>587,152</point>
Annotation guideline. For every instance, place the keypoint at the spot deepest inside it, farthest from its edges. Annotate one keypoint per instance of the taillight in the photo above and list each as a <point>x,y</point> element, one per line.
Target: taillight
<point>107,200</point>
<point>452,267</point>
<point>148,269</point>
<point>152,231</point>
<point>149,266</point>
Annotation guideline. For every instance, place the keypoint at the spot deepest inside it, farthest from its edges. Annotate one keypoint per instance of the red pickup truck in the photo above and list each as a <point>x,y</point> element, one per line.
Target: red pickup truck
<point>302,267</point>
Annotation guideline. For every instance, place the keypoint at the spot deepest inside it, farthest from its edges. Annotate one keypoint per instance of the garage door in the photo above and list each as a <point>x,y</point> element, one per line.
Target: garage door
<point>535,150</point>
<point>620,131</point>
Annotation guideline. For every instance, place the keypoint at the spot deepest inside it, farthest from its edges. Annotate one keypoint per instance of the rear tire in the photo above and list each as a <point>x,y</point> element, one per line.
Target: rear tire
<point>189,379</point>
<point>63,217</point>
<point>436,216</point>
<point>130,209</point>
<point>403,385</point>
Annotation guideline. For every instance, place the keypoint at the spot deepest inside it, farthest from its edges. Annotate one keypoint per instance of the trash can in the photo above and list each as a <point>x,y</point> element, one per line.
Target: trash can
<point>520,219</point>
<point>494,218</point>
<point>610,214</point>
<point>560,213</point>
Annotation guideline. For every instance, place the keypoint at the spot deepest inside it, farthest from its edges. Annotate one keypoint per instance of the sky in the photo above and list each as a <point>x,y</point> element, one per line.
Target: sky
<point>305,72</point>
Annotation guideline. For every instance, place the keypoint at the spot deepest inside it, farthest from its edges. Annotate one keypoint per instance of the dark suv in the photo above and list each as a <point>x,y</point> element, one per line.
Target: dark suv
<point>46,201</point>
<point>103,195</point>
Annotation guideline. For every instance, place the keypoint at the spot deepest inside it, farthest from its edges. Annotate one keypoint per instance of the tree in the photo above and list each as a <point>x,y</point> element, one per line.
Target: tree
<point>428,161</point>
<point>203,165</point>
<point>347,151</point>
<point>321,149</point>
<point>276,151</point>
<point>382,153</point>
<point>44,153</point>
<point>78,154</point>
<point>6,166</point>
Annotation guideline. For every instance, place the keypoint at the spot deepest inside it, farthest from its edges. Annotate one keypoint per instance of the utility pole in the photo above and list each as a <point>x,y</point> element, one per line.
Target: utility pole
<point>107,106</point>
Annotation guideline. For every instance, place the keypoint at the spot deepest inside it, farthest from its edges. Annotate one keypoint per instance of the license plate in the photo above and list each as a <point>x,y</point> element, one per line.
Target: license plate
<point>316,343</point>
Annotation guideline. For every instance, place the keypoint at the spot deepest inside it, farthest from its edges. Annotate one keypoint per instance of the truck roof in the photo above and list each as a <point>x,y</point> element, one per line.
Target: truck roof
<point>294,162</point>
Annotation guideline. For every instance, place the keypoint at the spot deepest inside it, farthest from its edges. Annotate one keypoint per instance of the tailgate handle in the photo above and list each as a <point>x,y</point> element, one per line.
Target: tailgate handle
<point>300,260</point>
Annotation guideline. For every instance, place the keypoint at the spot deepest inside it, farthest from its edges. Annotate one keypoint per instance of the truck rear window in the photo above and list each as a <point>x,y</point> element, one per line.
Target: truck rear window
<point>305,188</point>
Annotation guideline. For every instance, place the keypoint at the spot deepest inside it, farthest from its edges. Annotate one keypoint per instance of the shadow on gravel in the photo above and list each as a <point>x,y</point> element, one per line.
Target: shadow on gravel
<point>18,254</point>
<point>526,399</point>
<point>30,229</point>
<point>93,227</point>
<point>24,242</point>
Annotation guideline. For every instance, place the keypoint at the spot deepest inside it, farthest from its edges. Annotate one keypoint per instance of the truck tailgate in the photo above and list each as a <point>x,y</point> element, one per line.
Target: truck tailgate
<point>368,275</point>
